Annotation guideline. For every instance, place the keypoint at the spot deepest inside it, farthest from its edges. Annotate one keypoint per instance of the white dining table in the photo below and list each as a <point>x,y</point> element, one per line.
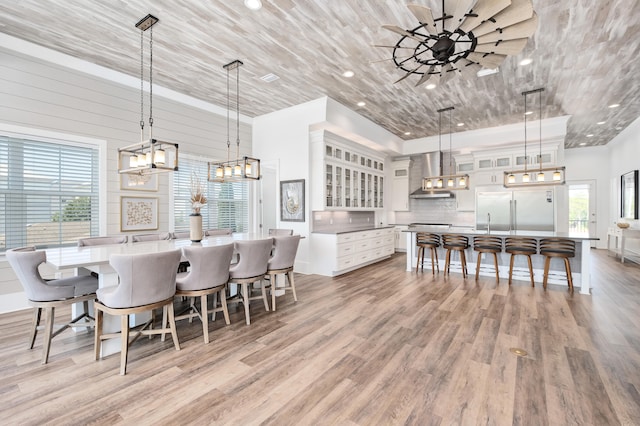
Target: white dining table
<point>96,259</point>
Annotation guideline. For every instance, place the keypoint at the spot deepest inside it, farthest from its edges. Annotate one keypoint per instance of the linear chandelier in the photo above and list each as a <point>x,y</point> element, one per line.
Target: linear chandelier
<point>543,176</point>
<point>242,168</point>
<point>437,183</point>
<point>151,155</point>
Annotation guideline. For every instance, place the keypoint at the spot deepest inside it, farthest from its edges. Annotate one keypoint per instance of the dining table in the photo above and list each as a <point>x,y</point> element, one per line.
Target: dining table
<point>95,259</point>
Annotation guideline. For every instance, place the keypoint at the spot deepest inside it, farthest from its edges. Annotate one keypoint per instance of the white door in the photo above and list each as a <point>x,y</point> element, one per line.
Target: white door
<point>582,207</point>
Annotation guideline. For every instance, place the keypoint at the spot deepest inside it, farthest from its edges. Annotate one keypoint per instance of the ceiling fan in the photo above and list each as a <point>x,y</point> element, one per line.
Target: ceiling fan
<point>468,35</point>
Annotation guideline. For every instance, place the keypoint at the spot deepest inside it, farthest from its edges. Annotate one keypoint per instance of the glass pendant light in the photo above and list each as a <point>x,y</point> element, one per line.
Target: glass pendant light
<point>557,176</point>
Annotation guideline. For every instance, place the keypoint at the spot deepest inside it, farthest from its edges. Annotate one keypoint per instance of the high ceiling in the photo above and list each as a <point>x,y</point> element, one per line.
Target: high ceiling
<point>585,53</point>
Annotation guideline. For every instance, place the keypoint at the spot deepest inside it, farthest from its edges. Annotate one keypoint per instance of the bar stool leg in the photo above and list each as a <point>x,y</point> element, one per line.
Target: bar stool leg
<point>511,268</point>
<point>463,260</point>
<point>420,254</point>
<point>567,268</point>
<point>433,266</point>
<point>478,265</point>
<point>546,272</point>
<point>530,270</point>
<point>435,250</point>
<point>495,262</point>
<point>446,263</point>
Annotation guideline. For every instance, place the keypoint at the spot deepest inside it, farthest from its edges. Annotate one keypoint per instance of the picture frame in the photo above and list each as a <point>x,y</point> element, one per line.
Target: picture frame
<point>292,200</point>
<point>138,213</point>
<point>139,182</point>
<point>629,195</point>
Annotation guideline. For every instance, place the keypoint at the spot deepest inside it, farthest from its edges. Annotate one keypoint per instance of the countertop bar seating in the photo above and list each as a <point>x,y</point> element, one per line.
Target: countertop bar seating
<point>580,265</point>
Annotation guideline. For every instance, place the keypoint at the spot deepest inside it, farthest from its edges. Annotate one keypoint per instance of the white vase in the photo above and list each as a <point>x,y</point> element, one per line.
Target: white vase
<point>195,227</point>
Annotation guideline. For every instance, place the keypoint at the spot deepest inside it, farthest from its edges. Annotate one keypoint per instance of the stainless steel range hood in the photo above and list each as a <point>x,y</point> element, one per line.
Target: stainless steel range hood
<point>430,165</point>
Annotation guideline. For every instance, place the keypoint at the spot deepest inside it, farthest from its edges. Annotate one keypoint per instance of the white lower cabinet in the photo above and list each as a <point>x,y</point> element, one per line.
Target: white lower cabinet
<point>335,254</point>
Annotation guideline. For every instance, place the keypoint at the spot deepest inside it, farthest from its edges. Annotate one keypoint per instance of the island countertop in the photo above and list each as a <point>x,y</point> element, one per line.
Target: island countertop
<point>345,230</point>
<point>578,236</point>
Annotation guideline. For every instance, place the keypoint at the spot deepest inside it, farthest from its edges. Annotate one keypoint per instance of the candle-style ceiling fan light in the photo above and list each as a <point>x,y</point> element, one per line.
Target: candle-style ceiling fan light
<point>242,168</point>
<point>151,155</point>
<point>453,181</point>
<point>466,36</point>
<point>541,175</point>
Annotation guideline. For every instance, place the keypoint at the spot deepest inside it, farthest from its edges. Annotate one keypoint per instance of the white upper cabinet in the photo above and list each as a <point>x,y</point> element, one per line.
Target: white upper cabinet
<point>352,178</point>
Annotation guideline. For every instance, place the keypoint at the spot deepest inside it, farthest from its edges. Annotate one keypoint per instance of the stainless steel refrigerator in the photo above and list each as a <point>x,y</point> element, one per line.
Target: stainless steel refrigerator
<point>516,210</point>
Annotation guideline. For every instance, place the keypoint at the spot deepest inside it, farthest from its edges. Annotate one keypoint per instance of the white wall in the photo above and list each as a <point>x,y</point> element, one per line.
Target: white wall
<point>50,97</point>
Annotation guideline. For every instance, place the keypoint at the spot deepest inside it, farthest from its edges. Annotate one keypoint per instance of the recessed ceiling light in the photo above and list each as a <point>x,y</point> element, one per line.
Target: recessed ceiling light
<point>348,74</point>
<point>253,4</point>
<point>526,61</point>
<point>582,143</point>
<point>590,135</point>
<point>407,133</point>
<point>486,71</point>
<point>601,122</point>
<point>460,124</point>
<point>268,78</point>
<point>430,86</point>
<point>361,104</point>
<point>614,105</point>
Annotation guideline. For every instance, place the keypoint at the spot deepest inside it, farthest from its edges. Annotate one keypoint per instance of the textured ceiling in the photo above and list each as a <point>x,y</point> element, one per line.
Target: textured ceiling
<point>585,53</point>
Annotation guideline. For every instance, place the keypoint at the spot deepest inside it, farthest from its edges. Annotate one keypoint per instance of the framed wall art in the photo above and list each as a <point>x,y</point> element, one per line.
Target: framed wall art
<point>629,195</point>
<point>136,182</point>
<point>138,213</point>
<point>292,200</point>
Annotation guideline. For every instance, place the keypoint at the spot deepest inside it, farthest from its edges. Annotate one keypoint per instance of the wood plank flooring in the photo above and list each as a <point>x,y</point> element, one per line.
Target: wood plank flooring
<point>377,346</point>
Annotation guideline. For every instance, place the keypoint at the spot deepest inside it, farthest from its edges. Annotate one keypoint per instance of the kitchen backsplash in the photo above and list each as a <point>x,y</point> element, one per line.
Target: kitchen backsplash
<point>435,210</point>
<point>343,220</point>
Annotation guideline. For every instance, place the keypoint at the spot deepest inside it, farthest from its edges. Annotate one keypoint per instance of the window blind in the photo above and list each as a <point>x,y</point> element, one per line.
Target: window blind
<point>227,203</point>
<point>48,193</point>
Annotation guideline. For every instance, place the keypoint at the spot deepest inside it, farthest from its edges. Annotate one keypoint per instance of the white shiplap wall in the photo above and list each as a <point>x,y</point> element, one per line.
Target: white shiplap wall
<point>42,95</point>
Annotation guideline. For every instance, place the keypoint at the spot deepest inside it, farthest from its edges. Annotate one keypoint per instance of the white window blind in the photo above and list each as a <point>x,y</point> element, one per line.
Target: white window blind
<point>227,203</point>
<point>48,193</point>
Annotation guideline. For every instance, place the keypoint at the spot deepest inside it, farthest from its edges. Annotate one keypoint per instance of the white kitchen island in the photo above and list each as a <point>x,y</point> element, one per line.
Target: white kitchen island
<point>580,264</point>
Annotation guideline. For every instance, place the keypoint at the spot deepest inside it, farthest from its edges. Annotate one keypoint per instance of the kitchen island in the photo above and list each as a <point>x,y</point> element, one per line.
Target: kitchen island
<point>580,264</point>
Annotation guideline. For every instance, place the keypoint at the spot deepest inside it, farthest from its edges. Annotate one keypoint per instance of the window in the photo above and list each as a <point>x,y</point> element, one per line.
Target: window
<point>48,193</point>
<point>227,203</point>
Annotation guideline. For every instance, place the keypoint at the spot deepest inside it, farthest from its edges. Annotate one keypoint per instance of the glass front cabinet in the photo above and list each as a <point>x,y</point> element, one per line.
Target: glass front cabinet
<point>352,179</point>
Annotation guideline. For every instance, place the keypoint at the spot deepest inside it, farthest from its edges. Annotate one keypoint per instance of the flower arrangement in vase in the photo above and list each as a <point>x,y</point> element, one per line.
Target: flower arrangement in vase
<point>198,200</point>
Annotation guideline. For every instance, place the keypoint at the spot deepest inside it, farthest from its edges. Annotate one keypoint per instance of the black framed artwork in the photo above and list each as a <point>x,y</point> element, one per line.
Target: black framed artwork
<point>629,195</point>
<point>292,200</point>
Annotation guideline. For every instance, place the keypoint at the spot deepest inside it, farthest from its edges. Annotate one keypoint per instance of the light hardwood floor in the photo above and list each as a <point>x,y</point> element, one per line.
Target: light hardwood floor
<point>374,347</point>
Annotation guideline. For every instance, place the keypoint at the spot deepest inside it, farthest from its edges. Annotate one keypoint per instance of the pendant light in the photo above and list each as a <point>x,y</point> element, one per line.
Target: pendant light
<point>524,177</point>
<point>453,181</point>
<point>150,155</point>
<point>242,168</point>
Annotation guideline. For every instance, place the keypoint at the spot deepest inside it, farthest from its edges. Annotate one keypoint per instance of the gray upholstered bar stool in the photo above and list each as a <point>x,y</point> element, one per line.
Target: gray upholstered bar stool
<point>208,274</point>
<point>487,244</point>
<point>146,282</point>
<point>520,246</point>
<point>426,240</point>
<point>151,237</point>
<point>180,235</point>
<point>284,256</point>
<point>218,232</point>
<point>562,248</point>
<point>459,243</point>
<point>280,231</point>
<point>101,241</point>
<point>253,258</point>
<point>51,294</point>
